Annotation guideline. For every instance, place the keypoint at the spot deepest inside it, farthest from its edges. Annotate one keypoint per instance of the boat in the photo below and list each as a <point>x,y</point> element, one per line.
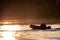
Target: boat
<point>42,26</point>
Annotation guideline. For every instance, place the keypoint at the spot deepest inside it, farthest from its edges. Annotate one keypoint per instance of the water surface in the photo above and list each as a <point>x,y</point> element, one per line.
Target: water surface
<point>30,34</point>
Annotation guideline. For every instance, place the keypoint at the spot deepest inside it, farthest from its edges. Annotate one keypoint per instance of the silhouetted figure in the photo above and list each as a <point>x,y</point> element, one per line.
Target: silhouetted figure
<point>49,27</point>
<point>32,26</point>
<point>43,26</point>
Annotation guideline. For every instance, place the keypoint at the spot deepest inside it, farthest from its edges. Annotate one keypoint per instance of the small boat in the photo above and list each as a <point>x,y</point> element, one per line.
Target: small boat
<point>42,26</point>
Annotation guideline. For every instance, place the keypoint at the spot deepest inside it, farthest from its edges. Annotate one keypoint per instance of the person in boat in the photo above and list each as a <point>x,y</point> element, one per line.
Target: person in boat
<point>49,27</point>
<point>43,26</point>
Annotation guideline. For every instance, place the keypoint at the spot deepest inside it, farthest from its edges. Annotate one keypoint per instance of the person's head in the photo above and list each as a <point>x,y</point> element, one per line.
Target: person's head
<point>31,26</point>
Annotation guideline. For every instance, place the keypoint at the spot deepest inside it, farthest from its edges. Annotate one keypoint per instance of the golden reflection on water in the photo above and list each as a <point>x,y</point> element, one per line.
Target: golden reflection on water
<point>10,35</point>
<point>8,32</point>
<point>7,36</point>
<point>27,35</point>
<point>10,27</point>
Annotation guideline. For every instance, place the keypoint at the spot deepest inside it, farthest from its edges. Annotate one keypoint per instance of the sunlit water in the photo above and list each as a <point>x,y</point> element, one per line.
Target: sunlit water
<point>29,34</point>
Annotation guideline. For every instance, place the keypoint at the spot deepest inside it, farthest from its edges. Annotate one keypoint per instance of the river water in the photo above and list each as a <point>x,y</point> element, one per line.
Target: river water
<point>30,34</point>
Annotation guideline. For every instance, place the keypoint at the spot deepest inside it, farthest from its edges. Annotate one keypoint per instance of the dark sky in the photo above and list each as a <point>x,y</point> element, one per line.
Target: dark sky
<point>30,11</point>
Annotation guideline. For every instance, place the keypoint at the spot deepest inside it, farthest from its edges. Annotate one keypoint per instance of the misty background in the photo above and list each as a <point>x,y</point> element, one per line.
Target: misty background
<point>30,11</point>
